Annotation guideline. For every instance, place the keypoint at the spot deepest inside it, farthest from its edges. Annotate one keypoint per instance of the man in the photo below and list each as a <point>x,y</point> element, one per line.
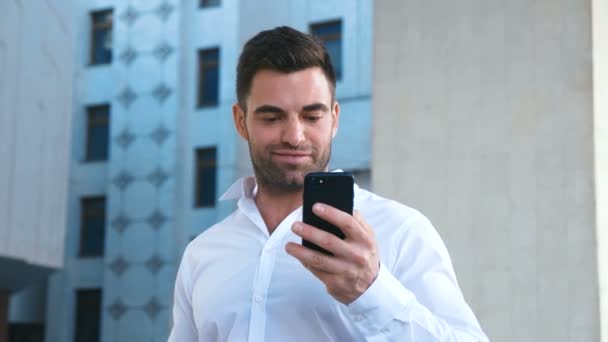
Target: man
<point>248,278</point>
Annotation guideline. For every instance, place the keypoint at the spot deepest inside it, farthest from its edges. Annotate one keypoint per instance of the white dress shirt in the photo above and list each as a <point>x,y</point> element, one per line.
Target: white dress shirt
<point>236,283</point>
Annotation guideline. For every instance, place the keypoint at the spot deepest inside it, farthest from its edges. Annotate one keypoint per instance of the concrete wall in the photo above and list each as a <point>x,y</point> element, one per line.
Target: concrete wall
<point>483,120</point>
<point>36,40</point>
<point>600,109</point>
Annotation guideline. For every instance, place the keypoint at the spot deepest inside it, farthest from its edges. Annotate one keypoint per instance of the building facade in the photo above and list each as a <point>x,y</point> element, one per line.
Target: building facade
<point>154,146</point>
<point>35,105</point>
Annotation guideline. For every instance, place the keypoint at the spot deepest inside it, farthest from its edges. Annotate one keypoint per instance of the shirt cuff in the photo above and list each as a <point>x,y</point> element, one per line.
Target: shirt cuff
<point>380,303</point>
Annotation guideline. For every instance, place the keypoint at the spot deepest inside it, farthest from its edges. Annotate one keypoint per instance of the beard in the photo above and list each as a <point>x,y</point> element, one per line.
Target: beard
<point>286,178</point>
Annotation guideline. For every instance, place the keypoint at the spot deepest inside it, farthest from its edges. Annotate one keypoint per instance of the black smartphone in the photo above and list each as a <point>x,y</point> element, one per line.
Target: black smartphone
<point>331,188</point>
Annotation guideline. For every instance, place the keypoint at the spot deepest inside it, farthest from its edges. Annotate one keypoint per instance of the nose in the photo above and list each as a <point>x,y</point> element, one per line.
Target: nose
<point>293,132</point>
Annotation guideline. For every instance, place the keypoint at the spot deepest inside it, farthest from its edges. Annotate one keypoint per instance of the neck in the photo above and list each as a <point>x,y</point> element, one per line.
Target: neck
<point>274,206</point>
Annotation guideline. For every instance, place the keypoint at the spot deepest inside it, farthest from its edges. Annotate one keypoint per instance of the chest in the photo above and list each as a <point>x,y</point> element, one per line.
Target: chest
<point>235,282</point>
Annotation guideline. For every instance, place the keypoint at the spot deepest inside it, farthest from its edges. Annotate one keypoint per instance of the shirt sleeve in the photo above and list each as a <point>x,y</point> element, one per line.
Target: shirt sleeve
<point>418,299</point>
<point>183,329</point>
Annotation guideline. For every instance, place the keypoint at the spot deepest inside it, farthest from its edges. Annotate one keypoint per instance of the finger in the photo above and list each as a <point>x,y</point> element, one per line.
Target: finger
<point>359,218</point>
<point>315,260</point>
<point>321,238</point>
<point>349,226</point>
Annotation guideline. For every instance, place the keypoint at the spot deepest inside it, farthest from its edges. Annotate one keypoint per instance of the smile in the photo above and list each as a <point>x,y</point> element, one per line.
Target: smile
<point>291,156</point>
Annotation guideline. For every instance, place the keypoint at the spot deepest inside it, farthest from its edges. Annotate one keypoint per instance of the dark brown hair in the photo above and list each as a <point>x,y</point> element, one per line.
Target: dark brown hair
<point>281,49</point>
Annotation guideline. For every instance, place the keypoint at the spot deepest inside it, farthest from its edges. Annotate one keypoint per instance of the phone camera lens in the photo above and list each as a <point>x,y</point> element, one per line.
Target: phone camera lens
<point>321,181</point>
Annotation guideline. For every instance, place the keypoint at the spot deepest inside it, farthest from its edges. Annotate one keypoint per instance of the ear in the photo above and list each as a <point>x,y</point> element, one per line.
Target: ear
<point>335,113</point>
<point>238,115</point>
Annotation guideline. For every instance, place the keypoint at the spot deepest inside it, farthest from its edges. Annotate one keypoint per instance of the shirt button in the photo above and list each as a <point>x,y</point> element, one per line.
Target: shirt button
<point>258,299</point>
<point>359,318</point>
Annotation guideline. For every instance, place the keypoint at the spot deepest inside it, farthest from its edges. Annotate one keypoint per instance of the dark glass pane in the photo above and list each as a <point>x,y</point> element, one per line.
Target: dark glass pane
<point>88,314</point>
<point>93,239</point>
<point>208,93</point>
<point>206,174</point>
<point>327,29</point>
<point>98,133</point>
<point>102,50</point>
<point>93,226</point>
<point>26,332</point>
<point>102,17</point>
<point>334,48</point>
<point>210,56</point>
<point>209,3</point>
<point>207,155</point>
<point>207,186</point>
<point>98,148</point>
<point>331,35</point>
<point>101,37</point>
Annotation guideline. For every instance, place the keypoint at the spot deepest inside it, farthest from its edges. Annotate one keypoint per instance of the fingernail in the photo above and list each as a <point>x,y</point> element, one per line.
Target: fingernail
<point>319,207</point>
<point>296,227</point>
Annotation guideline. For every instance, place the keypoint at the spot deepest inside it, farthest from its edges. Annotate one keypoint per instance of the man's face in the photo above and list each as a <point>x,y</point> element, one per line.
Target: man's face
<point>289,125</point>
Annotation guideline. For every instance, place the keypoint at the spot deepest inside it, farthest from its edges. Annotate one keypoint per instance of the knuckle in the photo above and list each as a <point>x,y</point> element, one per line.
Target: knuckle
<point>317,261</point>
<point>352,223</point>
<point>352,274</point>
<point>368,243</point>
<point>329,243</point>
<point>359,259</point>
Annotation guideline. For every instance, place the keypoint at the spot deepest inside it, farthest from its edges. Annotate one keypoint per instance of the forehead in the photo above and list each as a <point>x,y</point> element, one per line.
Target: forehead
<point>285,90</point>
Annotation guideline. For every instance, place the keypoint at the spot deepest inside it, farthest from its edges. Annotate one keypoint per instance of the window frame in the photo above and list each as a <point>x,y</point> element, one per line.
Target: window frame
<point>78,298</point>
<point>313,27</point>
<point>84,214</point>
<point>209,3</point>
<point>200,164</point>
<point>94,122</point>
<point>204,66</point>
<point>108,26</point>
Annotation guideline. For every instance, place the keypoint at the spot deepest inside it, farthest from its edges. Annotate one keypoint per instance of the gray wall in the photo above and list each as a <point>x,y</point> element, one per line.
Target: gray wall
<point>36,41</point>
<point>483,120</point>
<point>600,109</point>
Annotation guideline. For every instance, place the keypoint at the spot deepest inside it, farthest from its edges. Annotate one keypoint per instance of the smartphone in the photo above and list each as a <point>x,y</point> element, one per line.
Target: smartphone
<point>331,188</point>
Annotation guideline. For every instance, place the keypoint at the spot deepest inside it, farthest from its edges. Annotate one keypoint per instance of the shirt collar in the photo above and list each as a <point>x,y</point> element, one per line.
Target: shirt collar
<point>244,187</point>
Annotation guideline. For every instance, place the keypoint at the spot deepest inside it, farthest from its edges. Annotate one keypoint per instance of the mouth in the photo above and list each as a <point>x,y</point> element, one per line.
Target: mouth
<point>292,157</point>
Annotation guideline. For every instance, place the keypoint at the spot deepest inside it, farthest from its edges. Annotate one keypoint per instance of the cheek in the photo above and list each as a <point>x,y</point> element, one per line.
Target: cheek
<point>261,136</point>
<point>324,135</point>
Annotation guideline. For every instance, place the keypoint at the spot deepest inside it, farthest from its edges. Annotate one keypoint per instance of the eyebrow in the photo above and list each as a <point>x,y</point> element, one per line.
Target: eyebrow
<point>315,107</point>
<point>276,110</point>
<point>268,109</point>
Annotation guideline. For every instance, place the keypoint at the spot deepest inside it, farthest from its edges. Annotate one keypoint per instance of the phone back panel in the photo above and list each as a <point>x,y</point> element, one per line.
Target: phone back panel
<point>331,188</point>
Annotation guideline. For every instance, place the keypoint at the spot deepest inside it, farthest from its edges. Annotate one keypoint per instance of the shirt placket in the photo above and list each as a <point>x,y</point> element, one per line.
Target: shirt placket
<point>261,284</point>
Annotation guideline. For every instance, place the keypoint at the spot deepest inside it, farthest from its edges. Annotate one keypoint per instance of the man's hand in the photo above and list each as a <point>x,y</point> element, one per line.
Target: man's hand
<point>355,263</point>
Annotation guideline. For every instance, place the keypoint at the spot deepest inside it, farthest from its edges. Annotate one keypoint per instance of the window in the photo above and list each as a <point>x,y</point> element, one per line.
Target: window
<point>331,34</point>
<point>210,3</point>
<point>101,37</point>
<point>88,314</point>
<point>92,226</point>
<point>26,332</point>
<point>208,77</point>
<point>98,132</point>
<point>206,174</point>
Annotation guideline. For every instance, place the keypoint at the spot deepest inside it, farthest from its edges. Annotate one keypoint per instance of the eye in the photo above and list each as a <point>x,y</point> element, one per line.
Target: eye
<point>313,118</point>
<point>270,119</point>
